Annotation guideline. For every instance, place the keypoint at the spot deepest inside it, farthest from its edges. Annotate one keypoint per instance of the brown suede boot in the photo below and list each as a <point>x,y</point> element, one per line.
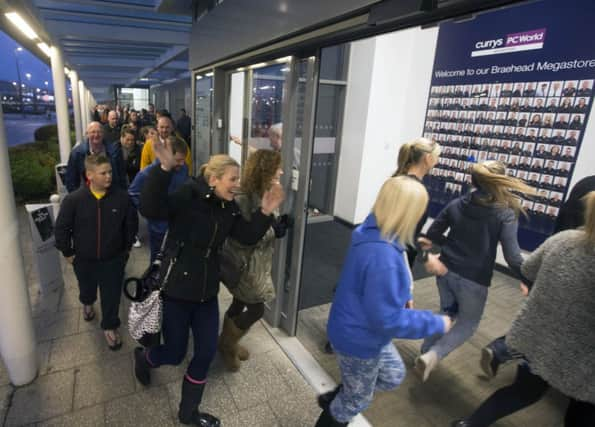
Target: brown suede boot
<point>228,344</point>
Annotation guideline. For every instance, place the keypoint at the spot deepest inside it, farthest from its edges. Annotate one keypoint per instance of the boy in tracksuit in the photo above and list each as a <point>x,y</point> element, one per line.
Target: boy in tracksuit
<point>95,230</point>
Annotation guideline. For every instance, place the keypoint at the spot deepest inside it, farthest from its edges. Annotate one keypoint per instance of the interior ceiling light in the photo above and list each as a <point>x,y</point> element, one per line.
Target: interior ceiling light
<point>284,59</point>
<point>44,48</point>
<point>209,74</point>
<point>20,23</point>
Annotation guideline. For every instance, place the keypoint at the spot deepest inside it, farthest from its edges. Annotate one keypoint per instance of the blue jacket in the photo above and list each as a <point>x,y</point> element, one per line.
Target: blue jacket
<point>75,171</point>
<point>368,308</point>
<point>178,178</point>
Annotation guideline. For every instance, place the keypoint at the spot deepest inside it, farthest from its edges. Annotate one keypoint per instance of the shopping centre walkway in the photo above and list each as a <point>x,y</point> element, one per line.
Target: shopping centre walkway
<point>82,383</point>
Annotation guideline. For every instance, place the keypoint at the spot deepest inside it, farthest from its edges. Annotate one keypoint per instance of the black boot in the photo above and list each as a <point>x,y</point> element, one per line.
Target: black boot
<point>327,420</point>
<point>325,399</point>
<point>142,369</point>
<point>191,398</point>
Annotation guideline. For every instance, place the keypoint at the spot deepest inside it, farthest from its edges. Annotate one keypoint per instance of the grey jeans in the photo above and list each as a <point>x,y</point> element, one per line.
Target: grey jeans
<point>463,300</point>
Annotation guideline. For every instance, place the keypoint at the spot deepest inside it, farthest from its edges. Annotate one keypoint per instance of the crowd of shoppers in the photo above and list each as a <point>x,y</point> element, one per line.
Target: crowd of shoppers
<point>133,161</point>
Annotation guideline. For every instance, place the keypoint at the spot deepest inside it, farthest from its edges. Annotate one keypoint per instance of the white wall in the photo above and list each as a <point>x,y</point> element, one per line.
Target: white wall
<point>355,117</point>
<point>236,105</point>
<point>387,89</point>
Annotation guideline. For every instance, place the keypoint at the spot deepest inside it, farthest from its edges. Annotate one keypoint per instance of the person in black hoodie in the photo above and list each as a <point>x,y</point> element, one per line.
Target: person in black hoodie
<point>477,222</point>
<point>201,214</point>
<point>94,231</point>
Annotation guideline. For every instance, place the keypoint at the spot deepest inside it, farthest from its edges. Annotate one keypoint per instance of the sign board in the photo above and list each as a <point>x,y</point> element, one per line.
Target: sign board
<point>514,85</point>
<point>47,258</point>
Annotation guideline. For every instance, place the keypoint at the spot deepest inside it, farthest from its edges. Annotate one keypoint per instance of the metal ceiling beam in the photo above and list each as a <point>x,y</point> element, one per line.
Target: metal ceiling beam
<point>111,32</point>
<point>110,17</point>
<point>105,3</point>
<point>168,56</point>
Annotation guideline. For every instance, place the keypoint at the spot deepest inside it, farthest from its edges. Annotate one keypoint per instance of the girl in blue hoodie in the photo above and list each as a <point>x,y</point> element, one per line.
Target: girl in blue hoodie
<point>368,309</point>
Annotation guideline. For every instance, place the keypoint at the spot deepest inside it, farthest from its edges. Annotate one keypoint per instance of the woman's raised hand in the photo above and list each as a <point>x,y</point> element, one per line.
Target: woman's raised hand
<point>272,198</point>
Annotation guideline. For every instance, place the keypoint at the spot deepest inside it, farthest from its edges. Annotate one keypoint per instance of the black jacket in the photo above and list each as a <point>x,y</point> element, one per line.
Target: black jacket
<point>475,230</point>
<point>199,223</point>
<point>93,229</point>
<point>572,212</point>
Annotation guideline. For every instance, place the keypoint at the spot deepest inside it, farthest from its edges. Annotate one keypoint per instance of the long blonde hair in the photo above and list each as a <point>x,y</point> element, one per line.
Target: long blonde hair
<point>589,201</point>
<point>414,152</point>
<point>217,165</point>
<point>499,188</point>
<point>399,206</point>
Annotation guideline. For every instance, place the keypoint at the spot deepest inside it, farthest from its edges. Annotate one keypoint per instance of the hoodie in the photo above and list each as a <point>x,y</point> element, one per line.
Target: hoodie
<point>368,307</point>
<point>470,247</point>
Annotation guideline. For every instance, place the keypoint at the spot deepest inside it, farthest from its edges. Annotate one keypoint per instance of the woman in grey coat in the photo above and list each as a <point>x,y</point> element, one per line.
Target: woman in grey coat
<point>554,330</point>
<point>261,171</point>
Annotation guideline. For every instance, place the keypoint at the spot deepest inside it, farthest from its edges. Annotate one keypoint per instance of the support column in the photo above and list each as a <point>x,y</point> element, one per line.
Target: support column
<point>84,110</point>
<point>61,102</point>
<point>76,104</point>
<point>17,337</point>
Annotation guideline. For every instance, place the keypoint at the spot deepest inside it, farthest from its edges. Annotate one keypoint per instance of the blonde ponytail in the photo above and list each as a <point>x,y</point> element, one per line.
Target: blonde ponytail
<point>499,188</point>
<point>412,153</point>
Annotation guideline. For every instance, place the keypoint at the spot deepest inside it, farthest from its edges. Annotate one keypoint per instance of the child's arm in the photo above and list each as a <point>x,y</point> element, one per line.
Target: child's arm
<point>64,228</point>
<point>130,225</point>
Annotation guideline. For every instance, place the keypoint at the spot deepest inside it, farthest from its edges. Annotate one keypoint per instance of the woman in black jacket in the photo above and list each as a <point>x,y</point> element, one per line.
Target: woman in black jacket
<point>201,215</point>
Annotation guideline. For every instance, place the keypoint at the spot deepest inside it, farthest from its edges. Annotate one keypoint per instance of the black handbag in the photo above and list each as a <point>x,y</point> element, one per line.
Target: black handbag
<point>137,289</point>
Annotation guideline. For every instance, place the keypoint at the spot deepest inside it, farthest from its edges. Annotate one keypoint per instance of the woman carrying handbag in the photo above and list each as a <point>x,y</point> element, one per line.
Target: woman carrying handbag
<point>201,214</point>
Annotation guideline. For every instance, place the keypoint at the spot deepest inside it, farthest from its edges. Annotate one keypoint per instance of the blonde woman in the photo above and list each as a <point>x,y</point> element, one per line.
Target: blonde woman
<point>554,330</point>
<point>477,221</point>
<point>416,159</point>
<point>261,171</point>
<point>368,309</point>
<point>201,214</point>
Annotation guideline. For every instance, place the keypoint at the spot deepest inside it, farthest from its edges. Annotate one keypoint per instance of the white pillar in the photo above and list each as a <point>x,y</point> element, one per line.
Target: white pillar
<point>84,110</point>
<point>76,105</point>
<point>61,102</point>
<point>17,337</point>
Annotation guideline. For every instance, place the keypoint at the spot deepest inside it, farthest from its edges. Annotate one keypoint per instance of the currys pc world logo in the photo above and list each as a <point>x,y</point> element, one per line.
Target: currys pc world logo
<point>515,42</point>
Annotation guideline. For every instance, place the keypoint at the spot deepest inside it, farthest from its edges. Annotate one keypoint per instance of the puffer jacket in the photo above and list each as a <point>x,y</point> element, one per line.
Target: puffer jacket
<point>256,283</point>
<point>199,223</point>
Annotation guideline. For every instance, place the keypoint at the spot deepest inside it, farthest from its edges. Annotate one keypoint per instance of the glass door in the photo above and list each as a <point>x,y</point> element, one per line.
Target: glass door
<point>203,86</point>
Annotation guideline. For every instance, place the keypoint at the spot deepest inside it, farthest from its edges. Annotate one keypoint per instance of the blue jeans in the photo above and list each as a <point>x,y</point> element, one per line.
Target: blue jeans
<point>155,240</point>
<point>464,300</point>
<point>361,377</point>
<point>178,318</point>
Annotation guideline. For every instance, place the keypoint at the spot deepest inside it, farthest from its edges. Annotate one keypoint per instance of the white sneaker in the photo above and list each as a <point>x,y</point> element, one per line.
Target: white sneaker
<point>137,243</point>
<point>425,364</point>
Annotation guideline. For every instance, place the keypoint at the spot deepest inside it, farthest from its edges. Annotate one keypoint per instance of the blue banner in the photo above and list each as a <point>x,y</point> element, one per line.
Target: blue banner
<point>515,85</point>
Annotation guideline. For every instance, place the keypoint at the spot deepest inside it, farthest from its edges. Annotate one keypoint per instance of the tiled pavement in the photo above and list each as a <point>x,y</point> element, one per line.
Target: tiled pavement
<point>457,386</point>
<point>82,383</point>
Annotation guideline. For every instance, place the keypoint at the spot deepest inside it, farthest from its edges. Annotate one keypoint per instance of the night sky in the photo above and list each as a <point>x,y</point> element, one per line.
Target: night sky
<point>28,63</point>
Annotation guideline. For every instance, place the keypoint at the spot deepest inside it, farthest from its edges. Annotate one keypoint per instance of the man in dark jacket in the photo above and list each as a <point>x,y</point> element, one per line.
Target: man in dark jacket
<point>131,152</point>
<point>94,231</point>
<point>111,131</point>
<point>95,144</point>
<point>184,126</point>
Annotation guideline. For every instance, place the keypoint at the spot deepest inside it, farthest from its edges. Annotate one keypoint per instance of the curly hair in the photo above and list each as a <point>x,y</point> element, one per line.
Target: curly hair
<point>259,170</point>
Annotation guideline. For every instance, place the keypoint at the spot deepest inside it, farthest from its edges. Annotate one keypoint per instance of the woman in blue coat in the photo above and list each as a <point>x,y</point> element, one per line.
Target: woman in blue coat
<point>368,310</point>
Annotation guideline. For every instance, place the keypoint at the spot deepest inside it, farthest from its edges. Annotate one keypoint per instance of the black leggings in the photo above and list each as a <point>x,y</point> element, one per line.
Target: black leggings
<point>527,389</point>
<point>245,319</point>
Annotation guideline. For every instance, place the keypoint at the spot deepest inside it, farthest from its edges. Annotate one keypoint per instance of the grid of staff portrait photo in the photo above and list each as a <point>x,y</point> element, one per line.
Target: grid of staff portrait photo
<point>534,127</point>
